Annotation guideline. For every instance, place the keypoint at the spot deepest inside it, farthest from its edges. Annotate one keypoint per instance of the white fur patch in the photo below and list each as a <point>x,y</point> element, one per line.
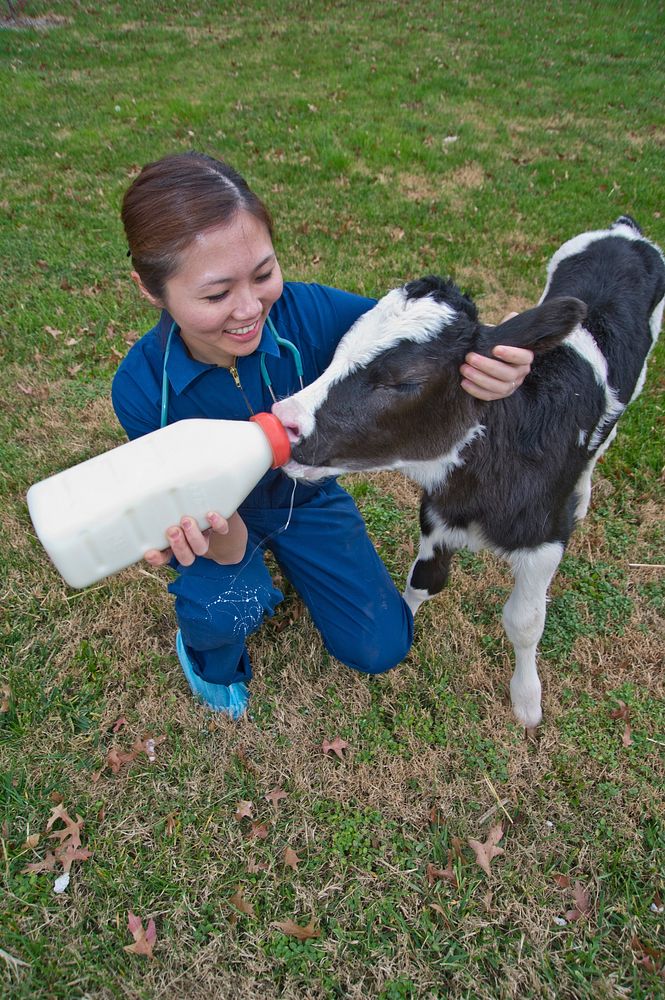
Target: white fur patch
<point>580,243</point>
<point>393,318</point>
<point>432,473</point>
<point>581,341</point>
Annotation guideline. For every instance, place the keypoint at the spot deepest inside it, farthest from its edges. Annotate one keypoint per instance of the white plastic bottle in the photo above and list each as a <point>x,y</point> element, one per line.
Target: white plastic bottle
<point>104,514</point>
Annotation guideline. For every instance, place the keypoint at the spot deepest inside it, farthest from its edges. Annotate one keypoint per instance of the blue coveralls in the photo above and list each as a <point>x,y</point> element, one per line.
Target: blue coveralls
<point>325,552</point>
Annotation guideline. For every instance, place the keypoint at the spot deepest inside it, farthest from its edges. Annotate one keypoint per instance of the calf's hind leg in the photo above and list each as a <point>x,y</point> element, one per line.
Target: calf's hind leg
<point>524,620</point>
<point>428,574</point>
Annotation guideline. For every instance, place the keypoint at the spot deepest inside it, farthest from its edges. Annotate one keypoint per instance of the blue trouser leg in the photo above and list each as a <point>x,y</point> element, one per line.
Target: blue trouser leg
<point>218,607</point>
<point>329,558</point>
<point>327,555</point>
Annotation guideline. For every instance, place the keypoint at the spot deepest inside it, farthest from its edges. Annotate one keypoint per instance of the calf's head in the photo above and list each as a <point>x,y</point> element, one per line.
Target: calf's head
<point>391,397</point>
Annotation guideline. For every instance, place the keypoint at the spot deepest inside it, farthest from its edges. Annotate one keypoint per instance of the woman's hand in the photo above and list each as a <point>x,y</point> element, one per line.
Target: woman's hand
<point>225,541</point>
<point>486,378</point>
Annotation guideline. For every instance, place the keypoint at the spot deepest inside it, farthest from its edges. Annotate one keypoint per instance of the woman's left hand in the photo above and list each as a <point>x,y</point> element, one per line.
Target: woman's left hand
<point>486,378</point>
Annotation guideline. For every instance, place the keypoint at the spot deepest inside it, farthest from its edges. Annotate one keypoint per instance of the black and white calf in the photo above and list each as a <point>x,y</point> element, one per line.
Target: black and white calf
<point>511,476</point>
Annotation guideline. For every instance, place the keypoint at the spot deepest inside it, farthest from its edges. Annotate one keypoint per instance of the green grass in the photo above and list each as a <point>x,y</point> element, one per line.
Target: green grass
<point>390,140</point>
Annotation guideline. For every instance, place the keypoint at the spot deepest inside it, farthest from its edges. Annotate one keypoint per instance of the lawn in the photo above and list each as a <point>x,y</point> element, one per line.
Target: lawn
<point>390,139</point>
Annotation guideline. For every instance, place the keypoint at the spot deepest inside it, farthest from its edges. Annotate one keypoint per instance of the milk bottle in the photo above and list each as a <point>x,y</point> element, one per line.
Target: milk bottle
<point>104,514</point>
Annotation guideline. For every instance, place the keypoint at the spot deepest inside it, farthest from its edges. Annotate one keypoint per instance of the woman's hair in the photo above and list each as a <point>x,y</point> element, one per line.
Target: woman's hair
<point>173,200</point>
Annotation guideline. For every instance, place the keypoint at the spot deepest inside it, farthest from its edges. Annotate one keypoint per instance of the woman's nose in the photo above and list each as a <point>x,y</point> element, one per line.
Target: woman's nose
<point>246,305</point>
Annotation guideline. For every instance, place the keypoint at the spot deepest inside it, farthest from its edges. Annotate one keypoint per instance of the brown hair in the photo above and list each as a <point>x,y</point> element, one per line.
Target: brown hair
<point>173,200</point>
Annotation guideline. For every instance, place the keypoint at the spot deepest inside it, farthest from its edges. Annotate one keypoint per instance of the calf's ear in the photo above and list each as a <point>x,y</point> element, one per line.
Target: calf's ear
<point>539,329</point>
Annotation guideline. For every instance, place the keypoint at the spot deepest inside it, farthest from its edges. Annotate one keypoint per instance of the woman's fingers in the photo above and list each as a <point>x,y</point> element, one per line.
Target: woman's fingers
<point>156,558</point>
<point>187,541</point>
<point>498,377</point>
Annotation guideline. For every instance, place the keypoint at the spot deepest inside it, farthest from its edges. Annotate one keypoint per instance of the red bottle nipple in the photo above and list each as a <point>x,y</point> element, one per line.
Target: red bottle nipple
<point>277,437</point>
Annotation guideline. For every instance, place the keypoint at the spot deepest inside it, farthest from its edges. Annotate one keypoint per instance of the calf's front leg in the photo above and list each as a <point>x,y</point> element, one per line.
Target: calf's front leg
<point>524,620</point>
<point>428,574</point>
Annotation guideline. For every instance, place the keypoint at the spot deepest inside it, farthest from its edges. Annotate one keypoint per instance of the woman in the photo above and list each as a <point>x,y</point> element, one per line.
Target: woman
<point>232,337</point>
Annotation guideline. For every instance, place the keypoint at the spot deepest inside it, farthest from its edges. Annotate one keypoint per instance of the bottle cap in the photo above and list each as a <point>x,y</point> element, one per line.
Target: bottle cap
<point>278,439</point>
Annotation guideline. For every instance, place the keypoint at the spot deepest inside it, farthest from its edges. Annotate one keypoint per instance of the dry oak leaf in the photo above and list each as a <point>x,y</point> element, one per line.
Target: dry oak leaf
<point>275,795</point>
<point>295,930</point>
<point>254,867</point>
<point>244,810</point>
<point>486,852</point>
<point>448,874</point>
<point>336,746</point>
<point>291,859</point>
<point>5,695</point>
<point>582,902</point>
<point>259,831</point>
<point>623,712</point>
<point>144,940</point>
<point>240,903</point>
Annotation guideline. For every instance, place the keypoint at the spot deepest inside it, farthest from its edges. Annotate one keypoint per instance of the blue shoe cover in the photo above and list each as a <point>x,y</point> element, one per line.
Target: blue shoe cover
<point>231,699</point>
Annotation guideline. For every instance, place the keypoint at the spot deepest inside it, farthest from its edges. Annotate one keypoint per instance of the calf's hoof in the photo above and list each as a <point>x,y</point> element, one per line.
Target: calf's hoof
<point>527,708</point>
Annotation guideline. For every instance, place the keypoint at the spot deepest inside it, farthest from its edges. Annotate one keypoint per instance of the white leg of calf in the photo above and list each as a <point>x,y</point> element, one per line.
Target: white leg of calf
<point>414,597</point>
<point>524,619</point>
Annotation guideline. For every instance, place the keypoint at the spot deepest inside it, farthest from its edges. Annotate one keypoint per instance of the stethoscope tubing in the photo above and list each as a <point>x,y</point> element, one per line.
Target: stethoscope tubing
<point>280,341</point>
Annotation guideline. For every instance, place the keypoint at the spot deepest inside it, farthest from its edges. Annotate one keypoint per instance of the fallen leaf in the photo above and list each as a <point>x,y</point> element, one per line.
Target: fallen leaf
<point>253,867</point>
<point>652,960</point>
<point>582,902</point>
<point>275,795</point>
<point>244,810</point>
<point>291,859</point>
<point>488,850</point>
<point>170,827</point>
<point>456,845</point>
<point>5,695</point>
<point>295,930</point>
<point>562,881</point>
<point>31,841</point>
<point>240,903</point>
<point>447,874</point>
<point>336,746</point>
<point>259,831</point>
<point>46,865</point>
<point>68,850</point>
<point>53,331</point>
<point>623,712</point>
<point>144,940</point>
<point>118,724</point>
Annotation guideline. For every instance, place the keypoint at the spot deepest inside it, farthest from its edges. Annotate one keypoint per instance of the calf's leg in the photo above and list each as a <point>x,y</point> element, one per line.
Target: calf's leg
<point>524,619</point>
<point>428,574</point>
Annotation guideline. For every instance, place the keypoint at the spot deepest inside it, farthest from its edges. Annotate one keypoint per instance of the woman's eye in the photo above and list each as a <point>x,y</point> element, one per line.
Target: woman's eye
<point>216,298</point>
<point>264,277</point>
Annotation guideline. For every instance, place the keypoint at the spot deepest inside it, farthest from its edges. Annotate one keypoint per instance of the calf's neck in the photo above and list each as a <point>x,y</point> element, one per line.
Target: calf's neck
<point>512,476</point>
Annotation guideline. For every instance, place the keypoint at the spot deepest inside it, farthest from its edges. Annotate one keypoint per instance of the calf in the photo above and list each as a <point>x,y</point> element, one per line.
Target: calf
<point>511,476</point>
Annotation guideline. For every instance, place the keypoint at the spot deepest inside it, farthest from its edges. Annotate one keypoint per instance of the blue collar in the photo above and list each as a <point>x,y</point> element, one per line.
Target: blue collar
<point>182,369</point>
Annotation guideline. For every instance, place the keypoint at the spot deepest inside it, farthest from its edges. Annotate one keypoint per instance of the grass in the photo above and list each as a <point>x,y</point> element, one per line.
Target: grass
<point>390,139</point>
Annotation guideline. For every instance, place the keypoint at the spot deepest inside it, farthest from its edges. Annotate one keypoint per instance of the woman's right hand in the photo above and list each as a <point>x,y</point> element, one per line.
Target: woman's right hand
<point>225,541</point>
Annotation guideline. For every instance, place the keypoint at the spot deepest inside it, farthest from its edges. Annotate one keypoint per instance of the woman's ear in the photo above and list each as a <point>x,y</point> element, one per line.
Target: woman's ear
<point>152,299</point>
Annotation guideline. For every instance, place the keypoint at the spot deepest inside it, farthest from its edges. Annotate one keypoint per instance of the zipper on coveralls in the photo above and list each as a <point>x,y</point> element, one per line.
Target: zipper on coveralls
<point>233,372</point>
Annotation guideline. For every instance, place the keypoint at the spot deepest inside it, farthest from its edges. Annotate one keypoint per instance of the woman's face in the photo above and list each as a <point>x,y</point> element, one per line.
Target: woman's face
<point>223,290</point>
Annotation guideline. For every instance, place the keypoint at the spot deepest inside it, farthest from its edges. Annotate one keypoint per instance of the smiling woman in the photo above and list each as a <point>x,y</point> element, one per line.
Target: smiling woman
<point>202,253</point>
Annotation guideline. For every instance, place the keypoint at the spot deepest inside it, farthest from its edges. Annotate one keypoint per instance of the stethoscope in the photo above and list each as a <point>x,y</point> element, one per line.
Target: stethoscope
<point>280,341</point>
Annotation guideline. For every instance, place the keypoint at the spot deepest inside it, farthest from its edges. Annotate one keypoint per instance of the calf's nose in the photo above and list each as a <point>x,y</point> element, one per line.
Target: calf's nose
<point>287,414</point>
